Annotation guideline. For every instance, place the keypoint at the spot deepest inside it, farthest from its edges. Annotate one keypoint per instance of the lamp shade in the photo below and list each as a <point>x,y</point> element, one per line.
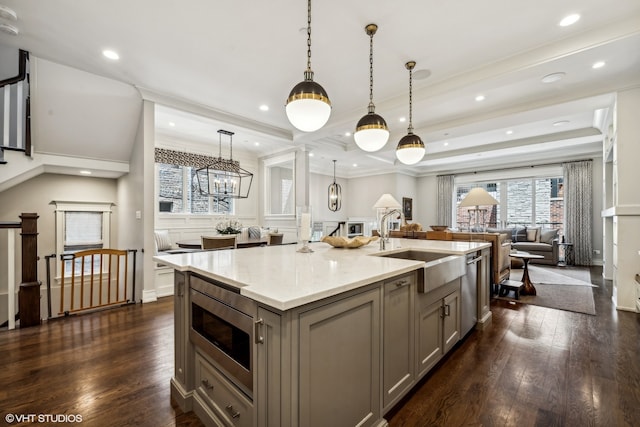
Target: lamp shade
<point>371,132</point>
<point>387,201</point>
<point>478,197</point>
<point>308,106</point>
<point>410,149</point>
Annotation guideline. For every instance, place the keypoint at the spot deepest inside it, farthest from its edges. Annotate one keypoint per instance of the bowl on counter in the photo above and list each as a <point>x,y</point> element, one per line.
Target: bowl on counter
<point>345,242</point>
<point>439,227</point>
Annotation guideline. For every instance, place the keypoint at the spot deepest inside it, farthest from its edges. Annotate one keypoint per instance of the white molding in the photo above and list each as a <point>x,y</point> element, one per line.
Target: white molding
<point>149,296</point>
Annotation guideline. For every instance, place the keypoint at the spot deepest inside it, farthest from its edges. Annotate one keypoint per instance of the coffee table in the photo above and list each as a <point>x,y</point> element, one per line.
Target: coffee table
<point>527,286</point>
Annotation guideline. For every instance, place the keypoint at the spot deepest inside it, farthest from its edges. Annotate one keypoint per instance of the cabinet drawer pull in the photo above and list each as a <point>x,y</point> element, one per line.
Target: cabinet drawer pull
<point>258,338</point>
<point>401,283</point>
<point>205,382</point>
<point>233,412</point>
<point>447,310</point>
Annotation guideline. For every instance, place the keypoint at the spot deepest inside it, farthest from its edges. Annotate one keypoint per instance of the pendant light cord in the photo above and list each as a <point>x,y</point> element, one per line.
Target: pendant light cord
<point>411,99</point>
<point>371,69</point>
<point>309,35</point>
<point>334,171</point>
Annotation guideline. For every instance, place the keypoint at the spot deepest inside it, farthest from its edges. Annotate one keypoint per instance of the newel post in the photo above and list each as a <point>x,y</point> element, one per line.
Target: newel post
<point>29,294</point>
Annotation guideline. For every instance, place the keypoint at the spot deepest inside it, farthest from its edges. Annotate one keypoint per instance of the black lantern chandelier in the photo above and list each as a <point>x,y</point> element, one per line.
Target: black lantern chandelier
<point>335,193</point>
<point>224,178</point>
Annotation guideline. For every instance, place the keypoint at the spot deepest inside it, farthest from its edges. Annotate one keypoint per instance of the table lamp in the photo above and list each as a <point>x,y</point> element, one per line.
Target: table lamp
<point>478,197</point>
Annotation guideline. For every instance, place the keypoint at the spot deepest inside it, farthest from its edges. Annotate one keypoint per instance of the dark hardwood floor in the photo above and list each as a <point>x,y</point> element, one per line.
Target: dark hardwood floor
<point>533,367</point>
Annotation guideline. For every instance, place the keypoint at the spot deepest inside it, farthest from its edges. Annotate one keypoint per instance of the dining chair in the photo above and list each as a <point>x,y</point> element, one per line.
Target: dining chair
<point>219,242</point>
<point>275,239</point>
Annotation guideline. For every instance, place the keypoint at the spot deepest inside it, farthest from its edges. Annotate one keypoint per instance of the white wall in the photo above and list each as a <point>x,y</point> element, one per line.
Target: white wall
<point>426,202</point>
<point>9,62</point>
<point>130,186</point>
<point>35,195</point>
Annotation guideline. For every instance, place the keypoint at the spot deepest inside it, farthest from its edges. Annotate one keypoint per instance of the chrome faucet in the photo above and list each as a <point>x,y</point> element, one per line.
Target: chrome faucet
<point>384,229</point>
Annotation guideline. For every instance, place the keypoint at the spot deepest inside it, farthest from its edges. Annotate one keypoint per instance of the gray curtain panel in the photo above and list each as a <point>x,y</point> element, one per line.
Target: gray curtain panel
<point>578,204</point>
<point>445,199</point>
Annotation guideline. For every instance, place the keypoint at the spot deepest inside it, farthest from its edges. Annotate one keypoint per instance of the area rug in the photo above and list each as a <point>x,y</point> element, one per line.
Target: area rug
<point>558,288</point>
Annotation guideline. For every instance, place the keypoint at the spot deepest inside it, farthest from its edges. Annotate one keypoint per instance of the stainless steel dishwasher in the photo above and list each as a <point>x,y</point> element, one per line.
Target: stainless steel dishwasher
<point>469,294</point>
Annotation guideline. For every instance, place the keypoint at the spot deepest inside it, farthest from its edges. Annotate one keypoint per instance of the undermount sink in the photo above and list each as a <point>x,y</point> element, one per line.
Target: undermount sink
<point>439,269</point>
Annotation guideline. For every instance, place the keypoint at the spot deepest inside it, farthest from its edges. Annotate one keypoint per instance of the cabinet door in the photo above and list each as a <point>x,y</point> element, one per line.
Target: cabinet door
<point>429,334</point>
<point>339,362</point>
<point>268,369</point>
<point>451,320</point>
<point>398,338</point>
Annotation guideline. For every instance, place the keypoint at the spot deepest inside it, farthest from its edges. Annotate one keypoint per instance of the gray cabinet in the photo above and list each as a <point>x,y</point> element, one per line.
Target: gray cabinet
<point>270,362</point>
<point>230,406</point>
<point>437,325</point>
<point>398,338</point>
<point>339,362</point>
<point>181,383</point>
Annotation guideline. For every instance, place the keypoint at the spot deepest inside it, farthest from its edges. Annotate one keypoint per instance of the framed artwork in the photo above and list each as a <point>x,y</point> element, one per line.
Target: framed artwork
<point>407,208</point>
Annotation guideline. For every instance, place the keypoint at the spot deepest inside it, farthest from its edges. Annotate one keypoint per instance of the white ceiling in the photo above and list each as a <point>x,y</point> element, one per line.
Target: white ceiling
<point>223,60</point>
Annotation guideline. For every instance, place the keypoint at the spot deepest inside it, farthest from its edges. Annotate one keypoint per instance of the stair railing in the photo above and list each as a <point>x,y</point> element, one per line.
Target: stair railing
<point>15,109</point>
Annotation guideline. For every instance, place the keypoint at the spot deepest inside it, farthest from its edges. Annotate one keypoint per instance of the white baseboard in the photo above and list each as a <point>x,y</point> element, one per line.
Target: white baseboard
<point>149,296</point>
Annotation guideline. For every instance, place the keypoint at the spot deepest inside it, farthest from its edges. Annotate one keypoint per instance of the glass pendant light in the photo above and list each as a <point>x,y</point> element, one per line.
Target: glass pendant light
<point>371,132</point>
<point>335,193</point>
<point>308,107</point>
<point>410,149</point>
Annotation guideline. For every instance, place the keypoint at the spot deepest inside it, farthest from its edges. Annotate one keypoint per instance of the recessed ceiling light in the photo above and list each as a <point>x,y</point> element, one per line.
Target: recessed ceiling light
<point>402,119</point>
<point>347,134</point>
<point>85,172</point>
<point>311,154</point>
<point>421,74</point>
<point>264,107</point>
<point>111,54</point>
<point>257,144</point>
<point>569,20</point>
<point>8,29</point>
<point>172,124</point>
<point>480,98</point>
<point>355,165</point>
<point>553,77</point>
<point>446,143</point>
<point>509,132</point>
<point>598,64</point>
<point>561,122</point>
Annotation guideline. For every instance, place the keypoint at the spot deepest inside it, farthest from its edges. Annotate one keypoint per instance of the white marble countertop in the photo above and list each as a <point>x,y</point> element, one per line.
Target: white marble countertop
<point>282,278</point>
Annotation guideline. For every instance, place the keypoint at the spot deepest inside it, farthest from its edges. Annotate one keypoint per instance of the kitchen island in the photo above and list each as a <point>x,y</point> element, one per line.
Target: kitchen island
<point>333,337</point>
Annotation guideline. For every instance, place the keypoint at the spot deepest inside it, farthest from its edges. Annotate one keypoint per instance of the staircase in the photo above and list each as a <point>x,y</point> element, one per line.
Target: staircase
<point>15,111</point>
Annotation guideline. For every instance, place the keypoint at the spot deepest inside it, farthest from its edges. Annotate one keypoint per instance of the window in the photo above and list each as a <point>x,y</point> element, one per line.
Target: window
<point>178,192</point>
<point>490,216</point>
<point>280,185</point>
<point>525,202</point>
<point>79,227</point>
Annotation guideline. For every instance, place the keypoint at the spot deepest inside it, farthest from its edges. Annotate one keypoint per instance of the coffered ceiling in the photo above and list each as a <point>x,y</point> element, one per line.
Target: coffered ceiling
<point>220,61</point>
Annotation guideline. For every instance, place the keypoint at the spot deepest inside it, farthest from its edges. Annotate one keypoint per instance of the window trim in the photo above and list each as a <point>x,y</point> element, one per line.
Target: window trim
<point>66,206</point>
<point>266,165</point>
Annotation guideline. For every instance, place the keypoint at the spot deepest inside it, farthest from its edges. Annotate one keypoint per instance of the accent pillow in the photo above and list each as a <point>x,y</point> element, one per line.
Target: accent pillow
<point>533,234</point>
<point>519,235</point>
<point>163,241</point>
<point>254,232</point>
<point>548,236</point>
